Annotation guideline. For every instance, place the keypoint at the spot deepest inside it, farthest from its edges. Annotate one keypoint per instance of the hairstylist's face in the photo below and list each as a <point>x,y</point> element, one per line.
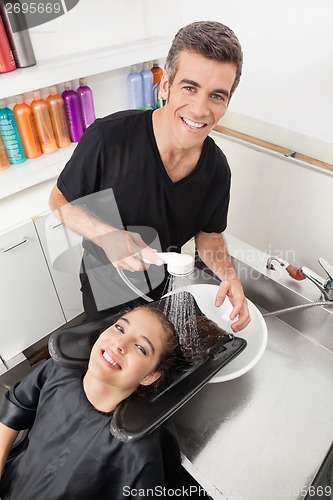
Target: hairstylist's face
<point>127,353</point>
<point>197,98</point>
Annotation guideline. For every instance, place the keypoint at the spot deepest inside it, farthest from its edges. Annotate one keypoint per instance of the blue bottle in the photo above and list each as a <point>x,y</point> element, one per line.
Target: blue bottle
<point>134,89</point>
<point>10,135</point>
<point>147,87</point>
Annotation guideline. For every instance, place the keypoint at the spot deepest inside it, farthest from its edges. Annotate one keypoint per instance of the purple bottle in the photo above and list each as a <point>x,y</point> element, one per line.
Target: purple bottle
<point>87,103</point>
<point>73,112</point>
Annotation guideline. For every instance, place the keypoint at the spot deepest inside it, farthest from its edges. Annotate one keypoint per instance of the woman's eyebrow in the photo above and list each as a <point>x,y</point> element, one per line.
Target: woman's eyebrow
<point>149,343</point>
<point>142,336</point>
<point>124,319</point>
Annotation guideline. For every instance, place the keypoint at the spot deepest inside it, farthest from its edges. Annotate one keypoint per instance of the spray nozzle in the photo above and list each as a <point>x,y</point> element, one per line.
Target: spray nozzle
<point>178,264</point>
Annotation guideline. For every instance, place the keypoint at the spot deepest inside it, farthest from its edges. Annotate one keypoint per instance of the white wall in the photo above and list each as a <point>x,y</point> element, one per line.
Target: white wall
<point>279,207</point>
<point>285,94</point>
<point>89,25</point>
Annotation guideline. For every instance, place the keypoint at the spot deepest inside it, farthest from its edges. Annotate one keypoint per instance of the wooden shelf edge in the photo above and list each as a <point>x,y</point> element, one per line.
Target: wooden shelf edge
<point>274,147</point>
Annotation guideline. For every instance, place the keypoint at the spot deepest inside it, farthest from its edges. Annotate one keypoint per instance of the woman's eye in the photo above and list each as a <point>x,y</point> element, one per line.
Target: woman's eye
<point>119,328</point>
<point>142,349</point>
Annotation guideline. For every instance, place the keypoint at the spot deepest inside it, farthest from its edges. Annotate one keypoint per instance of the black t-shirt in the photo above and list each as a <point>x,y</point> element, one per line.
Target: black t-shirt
<point>117,173</point>
<point>70,454</point>
<point>120,152</point>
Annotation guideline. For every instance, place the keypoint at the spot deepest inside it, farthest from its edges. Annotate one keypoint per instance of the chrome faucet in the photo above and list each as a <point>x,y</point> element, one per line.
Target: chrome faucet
<point>325,285</point>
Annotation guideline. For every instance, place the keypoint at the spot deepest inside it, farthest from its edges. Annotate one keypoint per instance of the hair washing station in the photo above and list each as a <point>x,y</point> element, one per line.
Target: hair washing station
<point>139,415</point>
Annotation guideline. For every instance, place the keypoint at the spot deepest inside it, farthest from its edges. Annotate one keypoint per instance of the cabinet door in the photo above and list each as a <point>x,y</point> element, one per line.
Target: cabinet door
<point>29,306</point>
<point>63,251</point>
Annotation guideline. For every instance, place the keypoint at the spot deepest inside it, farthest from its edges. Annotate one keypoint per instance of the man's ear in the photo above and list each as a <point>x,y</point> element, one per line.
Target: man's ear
<point>164,86</point>
<point>151,378</point>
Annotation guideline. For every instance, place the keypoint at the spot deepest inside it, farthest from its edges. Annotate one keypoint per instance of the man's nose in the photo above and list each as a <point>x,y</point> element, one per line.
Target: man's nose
<point>200,106</point>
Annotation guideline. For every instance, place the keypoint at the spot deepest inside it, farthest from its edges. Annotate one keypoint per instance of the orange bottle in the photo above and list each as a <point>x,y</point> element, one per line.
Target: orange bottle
<point>42,118</point>
<point>4,161</point>
<point>58,117</point>
<point>27,128</point>
<point>157,72</point>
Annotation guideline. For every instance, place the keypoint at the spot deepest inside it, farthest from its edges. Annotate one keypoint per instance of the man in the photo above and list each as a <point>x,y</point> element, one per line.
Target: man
<point>158,169</point>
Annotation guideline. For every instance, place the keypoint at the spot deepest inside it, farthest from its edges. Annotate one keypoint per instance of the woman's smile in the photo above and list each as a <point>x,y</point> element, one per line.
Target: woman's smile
<point>110,359</point>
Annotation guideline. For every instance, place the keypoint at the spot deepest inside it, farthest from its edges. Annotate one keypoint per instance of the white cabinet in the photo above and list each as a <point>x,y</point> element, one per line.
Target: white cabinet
<point>63,252</point>
<point>29,306</point>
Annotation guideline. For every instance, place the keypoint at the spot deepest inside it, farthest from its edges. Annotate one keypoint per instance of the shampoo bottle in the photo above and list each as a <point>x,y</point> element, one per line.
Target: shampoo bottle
<point>73,112</point>
<point>17,32</point>
<point>7,61</point>
<point>4,161</point>
<point>147,87</point>
<point>157,75</point>
<point>27,128</point>
<point>157,72</point>
<point>43,123</point>
<point>134,89</point>
<point>58,117</point>
<point>10,135</point>
<point>87,103</point>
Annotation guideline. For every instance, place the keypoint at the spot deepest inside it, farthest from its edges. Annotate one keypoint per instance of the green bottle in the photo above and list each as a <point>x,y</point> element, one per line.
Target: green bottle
<point>10,135</point>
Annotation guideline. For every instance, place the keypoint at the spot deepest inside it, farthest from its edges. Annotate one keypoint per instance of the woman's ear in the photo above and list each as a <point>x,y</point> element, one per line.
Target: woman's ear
<point>164,86</point>
<point>151,378</point>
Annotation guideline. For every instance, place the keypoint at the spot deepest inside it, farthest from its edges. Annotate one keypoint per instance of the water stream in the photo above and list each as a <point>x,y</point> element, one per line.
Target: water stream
<point>180,309</point>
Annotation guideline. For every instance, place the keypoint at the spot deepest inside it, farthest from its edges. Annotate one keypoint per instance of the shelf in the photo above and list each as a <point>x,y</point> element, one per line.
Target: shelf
<point>16,178</point>
<point>81,64</point>
<point>58,70</point>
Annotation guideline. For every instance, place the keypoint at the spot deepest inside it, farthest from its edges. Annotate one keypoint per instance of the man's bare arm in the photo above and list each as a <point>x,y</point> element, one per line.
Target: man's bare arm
<point>213,252</point>
<point>121,247</point>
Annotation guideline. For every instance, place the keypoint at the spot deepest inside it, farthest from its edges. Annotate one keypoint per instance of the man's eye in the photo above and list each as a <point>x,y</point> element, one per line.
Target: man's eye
<point>142,349</point>
<point>218,97</point>
<point>190,89</point>
<point>119,328</point>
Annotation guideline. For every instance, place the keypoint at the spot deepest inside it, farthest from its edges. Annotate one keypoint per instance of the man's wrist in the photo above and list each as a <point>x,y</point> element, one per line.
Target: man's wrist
<point>228,275</point>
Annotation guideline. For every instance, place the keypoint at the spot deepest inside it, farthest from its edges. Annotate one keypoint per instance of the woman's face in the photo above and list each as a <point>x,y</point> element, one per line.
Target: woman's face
<point>127,353</point>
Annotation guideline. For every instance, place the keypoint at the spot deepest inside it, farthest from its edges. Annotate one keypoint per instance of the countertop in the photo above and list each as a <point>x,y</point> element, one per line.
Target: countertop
<point>265,434</point>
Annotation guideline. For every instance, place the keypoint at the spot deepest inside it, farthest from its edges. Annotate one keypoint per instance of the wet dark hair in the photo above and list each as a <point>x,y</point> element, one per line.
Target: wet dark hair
<point>170,356</point>
<point>210,39</point>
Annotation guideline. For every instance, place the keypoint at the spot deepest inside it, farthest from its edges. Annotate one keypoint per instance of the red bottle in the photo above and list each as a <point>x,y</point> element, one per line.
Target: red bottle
<point>7,61</point>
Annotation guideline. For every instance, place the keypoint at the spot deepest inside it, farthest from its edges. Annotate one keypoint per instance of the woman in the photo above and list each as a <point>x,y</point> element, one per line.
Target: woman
<point>69,452</point>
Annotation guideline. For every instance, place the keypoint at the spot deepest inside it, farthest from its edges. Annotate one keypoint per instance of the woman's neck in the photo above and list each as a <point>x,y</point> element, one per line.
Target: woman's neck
<point>102,396</point>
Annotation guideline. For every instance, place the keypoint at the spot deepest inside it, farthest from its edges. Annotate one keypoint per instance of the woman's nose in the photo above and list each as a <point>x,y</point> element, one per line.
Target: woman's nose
<point>121,345</point>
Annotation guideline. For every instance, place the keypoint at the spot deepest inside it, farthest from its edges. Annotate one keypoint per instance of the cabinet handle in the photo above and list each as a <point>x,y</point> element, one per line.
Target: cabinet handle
<point>4,250</point>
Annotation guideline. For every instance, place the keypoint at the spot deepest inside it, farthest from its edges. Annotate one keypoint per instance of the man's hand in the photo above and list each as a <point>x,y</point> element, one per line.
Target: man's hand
<point>234,291</point>
<point>126,250</point>
<point>213,252</point>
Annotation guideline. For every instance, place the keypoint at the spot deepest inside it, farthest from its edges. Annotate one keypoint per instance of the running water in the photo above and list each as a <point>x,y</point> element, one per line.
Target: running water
<point>180,310</point>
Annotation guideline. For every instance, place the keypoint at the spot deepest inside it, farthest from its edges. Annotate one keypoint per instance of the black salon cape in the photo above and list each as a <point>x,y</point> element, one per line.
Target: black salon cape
<point>70,453</point>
